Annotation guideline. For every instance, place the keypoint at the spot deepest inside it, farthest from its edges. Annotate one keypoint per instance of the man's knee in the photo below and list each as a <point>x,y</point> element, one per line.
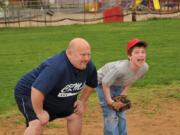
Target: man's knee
<point>74,117</point>
<point>35,125</point>
<point>34,128</point>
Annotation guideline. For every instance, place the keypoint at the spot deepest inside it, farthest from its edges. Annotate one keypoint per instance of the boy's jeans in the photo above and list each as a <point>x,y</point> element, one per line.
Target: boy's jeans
<point>114,122</point>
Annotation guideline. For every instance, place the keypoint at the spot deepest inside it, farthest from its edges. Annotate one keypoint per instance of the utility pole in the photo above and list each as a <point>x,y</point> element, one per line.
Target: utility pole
<point>133,2</point>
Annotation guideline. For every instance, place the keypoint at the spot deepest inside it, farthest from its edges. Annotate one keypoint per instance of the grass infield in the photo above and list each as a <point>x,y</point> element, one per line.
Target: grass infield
<point>22,49</point>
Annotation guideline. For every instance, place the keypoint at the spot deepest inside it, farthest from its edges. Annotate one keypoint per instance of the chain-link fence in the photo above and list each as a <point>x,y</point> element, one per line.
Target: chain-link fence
<point>27,13</point>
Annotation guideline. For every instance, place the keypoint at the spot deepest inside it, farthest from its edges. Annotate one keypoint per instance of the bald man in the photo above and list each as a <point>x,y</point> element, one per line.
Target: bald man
<point>50,90</point>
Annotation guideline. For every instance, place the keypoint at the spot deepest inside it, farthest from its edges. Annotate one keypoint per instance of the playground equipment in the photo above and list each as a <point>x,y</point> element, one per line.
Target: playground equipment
<point>91,7</point>
<point>114,14</point>
<point>138,2</point>
<point>156,4</point>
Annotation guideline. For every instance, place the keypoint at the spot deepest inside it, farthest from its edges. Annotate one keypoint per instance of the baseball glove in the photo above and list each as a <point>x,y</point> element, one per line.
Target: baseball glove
<point>121,103</point>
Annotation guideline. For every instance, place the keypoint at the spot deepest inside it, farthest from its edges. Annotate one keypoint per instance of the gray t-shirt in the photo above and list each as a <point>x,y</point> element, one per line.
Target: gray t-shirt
<point>119,73</point>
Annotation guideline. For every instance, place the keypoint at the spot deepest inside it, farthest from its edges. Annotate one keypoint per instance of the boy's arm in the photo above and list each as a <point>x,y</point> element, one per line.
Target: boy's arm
<point>125,89</point>
<point>107,94</point>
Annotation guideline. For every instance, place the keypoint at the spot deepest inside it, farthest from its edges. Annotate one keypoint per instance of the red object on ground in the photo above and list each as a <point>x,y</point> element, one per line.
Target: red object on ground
<point>112,14</point>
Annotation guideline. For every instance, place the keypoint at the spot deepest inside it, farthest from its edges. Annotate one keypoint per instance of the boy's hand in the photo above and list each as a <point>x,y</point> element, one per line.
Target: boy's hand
<point>121,103</point>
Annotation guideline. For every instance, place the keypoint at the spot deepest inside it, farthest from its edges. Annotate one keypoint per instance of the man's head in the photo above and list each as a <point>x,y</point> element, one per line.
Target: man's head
<point>78,53</point>
<point>136,51</point>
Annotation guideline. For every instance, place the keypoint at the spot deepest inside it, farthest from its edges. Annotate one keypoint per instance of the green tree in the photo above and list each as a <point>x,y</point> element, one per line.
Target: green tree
<point>4,3</point>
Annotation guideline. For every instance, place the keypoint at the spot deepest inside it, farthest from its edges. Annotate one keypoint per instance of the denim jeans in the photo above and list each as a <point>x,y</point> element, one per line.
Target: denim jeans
<point>114,122</point>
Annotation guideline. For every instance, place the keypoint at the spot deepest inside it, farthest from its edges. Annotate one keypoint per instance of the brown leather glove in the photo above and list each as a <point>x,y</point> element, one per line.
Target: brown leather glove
<point>121,103</point>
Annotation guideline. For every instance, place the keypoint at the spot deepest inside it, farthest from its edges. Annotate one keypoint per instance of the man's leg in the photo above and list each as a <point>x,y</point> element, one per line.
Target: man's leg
<point>74,124</point>
<point>34,128</point>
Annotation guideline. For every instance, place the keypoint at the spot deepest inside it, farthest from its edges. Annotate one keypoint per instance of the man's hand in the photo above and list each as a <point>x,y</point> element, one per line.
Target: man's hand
<point>43,117</point>
<point>79,107</point>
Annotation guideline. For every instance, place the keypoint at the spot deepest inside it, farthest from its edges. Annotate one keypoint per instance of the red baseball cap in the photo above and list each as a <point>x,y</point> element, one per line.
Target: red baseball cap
<point>133,42</point>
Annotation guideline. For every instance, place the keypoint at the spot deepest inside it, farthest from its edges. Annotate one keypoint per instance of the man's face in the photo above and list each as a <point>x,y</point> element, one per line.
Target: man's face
<point>138,56</point>
<point>80,57</point>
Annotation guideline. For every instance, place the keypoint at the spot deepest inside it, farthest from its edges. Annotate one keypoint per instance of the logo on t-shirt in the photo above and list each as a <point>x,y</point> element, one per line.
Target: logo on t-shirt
<point>71,90</point>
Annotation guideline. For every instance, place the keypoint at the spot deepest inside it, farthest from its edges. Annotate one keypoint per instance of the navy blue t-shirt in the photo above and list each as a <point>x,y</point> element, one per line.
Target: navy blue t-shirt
<point>57,79</point>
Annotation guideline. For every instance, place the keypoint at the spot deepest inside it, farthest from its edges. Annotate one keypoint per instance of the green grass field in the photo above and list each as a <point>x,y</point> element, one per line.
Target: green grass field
<point>23,49</point>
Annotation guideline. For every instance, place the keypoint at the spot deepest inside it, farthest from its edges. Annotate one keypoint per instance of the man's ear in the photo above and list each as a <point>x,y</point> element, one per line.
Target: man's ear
<point>69,53</point>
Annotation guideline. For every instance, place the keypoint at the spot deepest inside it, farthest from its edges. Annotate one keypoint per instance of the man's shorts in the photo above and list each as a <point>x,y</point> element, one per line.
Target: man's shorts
<point>26,108</point>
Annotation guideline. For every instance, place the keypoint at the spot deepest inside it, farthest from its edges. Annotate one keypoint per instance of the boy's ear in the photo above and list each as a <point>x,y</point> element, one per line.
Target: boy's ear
<point>129,56</point>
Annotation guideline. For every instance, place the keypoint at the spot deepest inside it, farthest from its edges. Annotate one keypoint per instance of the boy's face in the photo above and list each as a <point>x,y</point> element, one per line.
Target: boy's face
<point>138,56</point>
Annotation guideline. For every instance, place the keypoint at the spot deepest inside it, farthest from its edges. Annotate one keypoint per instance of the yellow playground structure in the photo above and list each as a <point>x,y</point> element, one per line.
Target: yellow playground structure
<point>91,7</point>
<point>155,3</point>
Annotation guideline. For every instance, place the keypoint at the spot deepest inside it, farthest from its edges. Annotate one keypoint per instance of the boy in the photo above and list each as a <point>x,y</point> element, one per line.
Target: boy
<point>115,78</point>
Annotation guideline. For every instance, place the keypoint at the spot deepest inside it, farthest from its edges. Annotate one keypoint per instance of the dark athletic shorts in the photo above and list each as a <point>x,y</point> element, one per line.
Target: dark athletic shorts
<point>25,106</point>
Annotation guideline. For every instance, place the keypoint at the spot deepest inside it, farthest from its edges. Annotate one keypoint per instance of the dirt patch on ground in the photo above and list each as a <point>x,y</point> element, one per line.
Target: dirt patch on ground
<point>160,119</point>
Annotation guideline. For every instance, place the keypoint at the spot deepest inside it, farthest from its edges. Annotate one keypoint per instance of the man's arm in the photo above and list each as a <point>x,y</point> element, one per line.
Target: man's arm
<point>80,104</point>
<point>86,92</point>
<point>37,99</point>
